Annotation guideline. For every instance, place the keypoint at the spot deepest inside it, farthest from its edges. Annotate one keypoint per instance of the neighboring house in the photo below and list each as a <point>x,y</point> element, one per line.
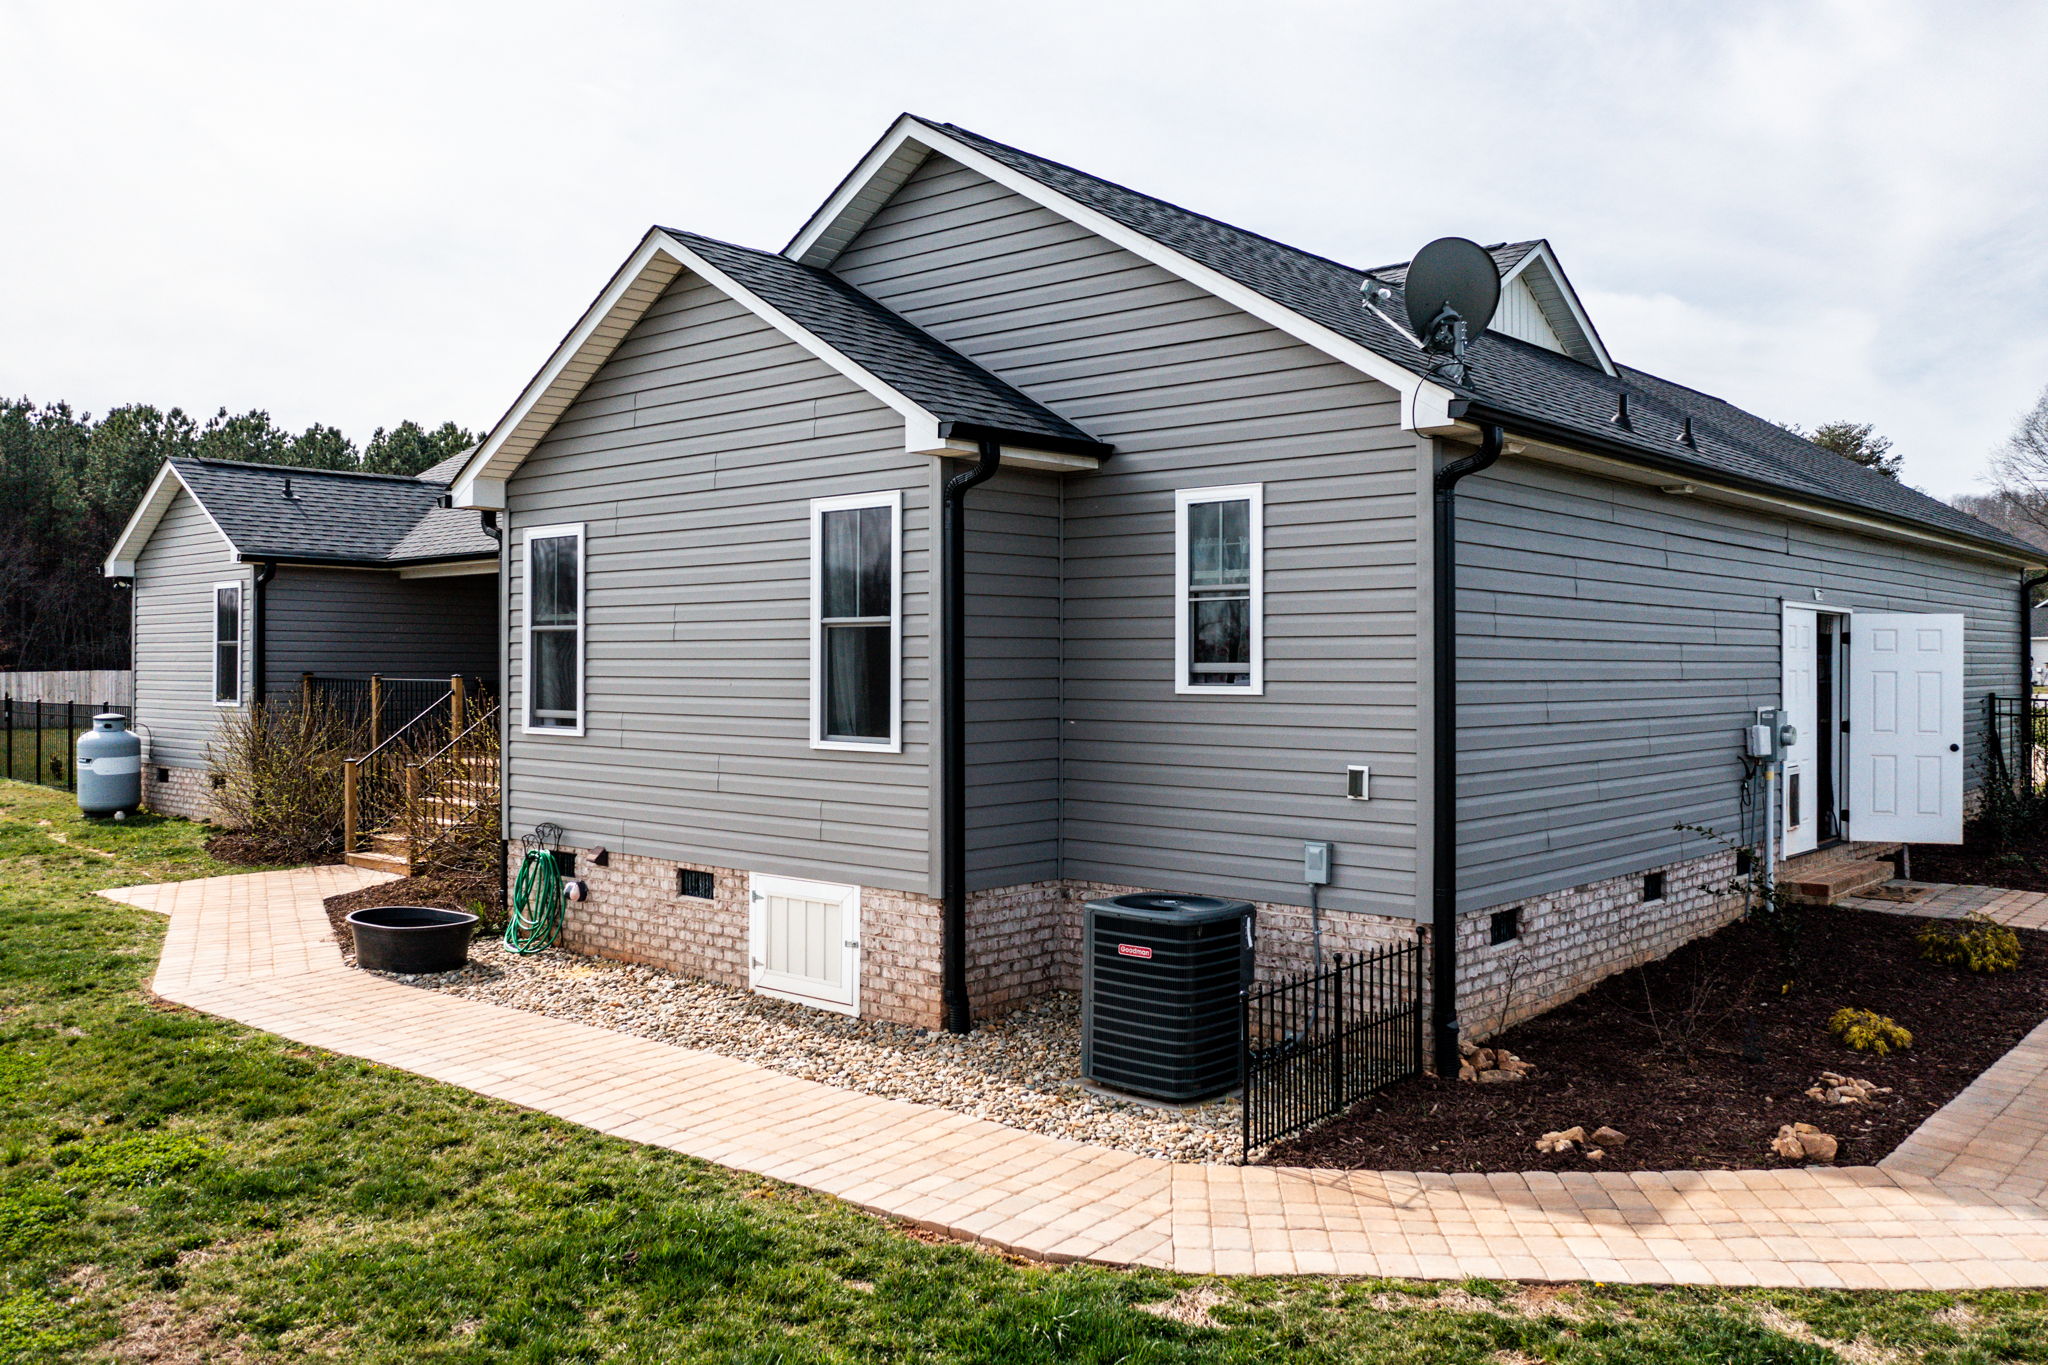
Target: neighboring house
<point>2037,615</point>
<point>246,577</point>
<point>1197,596</point>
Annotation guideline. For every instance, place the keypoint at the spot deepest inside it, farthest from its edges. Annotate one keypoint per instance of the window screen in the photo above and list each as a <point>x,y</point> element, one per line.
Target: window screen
<point>856,567</point>
<point>227,643</point>
<point>554,566</point>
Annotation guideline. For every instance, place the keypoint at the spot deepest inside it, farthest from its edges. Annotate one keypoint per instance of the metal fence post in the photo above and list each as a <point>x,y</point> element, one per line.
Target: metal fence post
<point>1415,1010</point>
<point>71,746</point>
<point>8,707</point>
<point>1244,1074</point>
<point>38,769</point>
<point>1337,1086</point>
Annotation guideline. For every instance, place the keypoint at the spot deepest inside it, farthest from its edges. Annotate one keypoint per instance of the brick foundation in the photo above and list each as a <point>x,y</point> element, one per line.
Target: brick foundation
<point>1025,941</point>
<point>186,792</point>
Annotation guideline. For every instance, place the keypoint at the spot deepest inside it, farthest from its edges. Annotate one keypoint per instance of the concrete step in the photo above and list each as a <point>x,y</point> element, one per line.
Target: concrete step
<point>376,862</point>
<point>1826,885</point>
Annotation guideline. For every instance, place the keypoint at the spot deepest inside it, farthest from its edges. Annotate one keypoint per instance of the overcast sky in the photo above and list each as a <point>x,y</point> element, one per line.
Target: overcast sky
<point>361,213</point>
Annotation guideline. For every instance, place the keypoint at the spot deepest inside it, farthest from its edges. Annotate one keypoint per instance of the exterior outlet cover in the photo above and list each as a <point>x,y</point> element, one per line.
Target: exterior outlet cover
<point>1315,862</point>
<point>1358,782</point>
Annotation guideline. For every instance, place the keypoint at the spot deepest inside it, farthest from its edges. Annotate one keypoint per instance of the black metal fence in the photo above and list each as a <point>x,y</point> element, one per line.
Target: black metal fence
<point>394,701</point>
<point>2016,749</point>
<point>1318,1042</point>
<point>39,740</point>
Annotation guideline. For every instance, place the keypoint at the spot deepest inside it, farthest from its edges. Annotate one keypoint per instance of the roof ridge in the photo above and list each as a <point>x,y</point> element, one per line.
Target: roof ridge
<point>294,468</point>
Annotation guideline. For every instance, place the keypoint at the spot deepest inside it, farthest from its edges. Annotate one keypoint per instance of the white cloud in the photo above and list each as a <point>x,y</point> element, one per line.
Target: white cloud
<point>362,213</point>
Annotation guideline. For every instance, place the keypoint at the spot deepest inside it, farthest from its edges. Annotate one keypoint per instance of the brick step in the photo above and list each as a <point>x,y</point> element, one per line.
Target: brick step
<point>376,862</point>
<point>1826,885</point>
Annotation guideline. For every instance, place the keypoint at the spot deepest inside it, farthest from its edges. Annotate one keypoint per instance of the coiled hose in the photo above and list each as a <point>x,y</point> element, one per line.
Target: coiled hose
<point>536,919</point>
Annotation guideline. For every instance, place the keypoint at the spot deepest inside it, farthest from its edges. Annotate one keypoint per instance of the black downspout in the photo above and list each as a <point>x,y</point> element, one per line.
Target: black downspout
<point>258,655</point>
<point>1443,956</point>
<point>958,1015</point>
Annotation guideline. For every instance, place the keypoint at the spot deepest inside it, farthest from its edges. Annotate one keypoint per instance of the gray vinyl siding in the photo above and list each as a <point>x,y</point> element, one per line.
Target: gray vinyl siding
<point>1614,639</point>
<point>174,579</point>
<point>690,461</point>
<point>1013,679</point>
<point>355,622</point>
<point>1162,789</point>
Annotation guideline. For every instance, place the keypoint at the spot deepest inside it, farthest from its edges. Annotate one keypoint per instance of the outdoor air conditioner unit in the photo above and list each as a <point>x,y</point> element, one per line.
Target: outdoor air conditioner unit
<point>1161,982</point>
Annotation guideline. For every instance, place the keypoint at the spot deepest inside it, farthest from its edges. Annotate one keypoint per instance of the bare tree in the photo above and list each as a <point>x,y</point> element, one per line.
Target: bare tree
<point>2019,471</point>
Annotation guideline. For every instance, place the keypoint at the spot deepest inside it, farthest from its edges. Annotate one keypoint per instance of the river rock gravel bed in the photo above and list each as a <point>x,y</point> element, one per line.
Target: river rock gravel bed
<point>1022,1070</point>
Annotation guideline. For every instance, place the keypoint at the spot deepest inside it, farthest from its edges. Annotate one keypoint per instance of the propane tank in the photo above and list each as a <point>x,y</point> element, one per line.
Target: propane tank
<point>109,767</point>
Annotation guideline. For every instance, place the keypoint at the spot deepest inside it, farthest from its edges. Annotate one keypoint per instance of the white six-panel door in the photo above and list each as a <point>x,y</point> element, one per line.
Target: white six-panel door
<point>806,942</point>
<point>1799,795</point>
<point>1906,727</point>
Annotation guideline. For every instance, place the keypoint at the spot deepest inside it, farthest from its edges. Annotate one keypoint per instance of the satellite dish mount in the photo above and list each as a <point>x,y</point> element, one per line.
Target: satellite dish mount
<point>1452,289</point>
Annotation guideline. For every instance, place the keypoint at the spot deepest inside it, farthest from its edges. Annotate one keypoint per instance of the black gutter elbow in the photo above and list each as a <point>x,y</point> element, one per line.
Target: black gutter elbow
<point>1443,934</point>
<point>956,1012</point>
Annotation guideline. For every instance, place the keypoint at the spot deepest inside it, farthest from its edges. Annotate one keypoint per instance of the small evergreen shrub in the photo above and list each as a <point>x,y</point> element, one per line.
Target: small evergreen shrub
<point>1868,1031</point>
<point>1976,942</point>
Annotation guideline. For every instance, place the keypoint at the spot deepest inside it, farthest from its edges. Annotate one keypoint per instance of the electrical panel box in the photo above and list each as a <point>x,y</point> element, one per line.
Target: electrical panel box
<point>1315,862</point>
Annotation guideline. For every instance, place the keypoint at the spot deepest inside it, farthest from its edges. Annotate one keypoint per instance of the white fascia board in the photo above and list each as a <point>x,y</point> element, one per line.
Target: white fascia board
<point>893,159</point>
<point>658,262</point>
<point>840,217</point>
<point>632,290</point>
<point>163,491</point>
<point>1579,321</point>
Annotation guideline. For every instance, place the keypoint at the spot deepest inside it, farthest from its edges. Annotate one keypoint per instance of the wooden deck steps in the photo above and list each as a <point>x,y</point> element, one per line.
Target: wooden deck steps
<point>1830,883</point>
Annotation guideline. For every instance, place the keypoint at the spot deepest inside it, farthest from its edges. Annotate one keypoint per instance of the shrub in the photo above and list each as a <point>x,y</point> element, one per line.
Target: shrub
<point>1976,942</point>
<point>1868,1031</point>
<point>277,776</point>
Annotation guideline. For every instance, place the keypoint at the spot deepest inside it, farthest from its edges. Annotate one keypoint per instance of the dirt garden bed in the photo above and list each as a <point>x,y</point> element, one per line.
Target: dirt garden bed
<point>1700,1058</point>
<point>2020,864</point>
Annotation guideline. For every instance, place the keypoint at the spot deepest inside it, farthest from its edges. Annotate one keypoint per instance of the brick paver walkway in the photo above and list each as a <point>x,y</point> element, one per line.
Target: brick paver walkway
<point>1958,1207</point>
<point>1946,900</point>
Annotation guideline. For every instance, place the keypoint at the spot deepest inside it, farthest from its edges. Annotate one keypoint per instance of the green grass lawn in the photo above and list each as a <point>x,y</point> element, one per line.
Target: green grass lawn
<point>175,1184</point>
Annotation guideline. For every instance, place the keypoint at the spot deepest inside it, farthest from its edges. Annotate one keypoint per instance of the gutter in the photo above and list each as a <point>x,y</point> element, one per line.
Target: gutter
<point>1443,932</point>
<point>258,651</point>
<point>957,1013</point>
<point>1551,433</point>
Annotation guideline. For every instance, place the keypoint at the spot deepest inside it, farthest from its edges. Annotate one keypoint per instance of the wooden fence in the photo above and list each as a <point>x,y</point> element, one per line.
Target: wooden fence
<point>86,686</point>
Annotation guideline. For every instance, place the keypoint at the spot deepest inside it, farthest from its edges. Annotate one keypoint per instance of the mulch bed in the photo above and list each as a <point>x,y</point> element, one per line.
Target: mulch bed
<point>443,893</point>
<point>244,849</point>
<point>2021,865</point>
<point>1700,1057</point>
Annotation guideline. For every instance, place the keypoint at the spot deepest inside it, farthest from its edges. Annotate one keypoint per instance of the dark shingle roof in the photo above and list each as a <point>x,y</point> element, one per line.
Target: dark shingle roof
<point>913,362</point>
<point>333,516</point>
<point>1518,379</point>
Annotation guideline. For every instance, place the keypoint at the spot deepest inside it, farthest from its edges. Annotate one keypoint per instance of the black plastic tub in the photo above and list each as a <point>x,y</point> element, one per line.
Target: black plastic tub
<point>411,939</point>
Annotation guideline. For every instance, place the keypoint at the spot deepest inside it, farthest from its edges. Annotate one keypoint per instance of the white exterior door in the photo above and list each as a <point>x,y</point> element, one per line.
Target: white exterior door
<point>1906,728</point>
<point>806,942</point>
<point>1798,798</point>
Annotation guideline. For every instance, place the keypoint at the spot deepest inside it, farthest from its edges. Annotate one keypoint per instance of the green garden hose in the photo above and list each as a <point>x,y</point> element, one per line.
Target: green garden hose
<point>536,919</point>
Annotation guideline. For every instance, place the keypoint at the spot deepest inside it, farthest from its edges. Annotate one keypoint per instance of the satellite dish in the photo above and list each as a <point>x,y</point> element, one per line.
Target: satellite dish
<point>1452,273</point>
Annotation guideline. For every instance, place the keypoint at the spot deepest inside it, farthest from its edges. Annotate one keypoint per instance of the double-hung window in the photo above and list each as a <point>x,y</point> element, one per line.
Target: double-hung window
<point>1218,553</point>
<point>554,630</point>
<point>857,622</point>
<point>227,644</point>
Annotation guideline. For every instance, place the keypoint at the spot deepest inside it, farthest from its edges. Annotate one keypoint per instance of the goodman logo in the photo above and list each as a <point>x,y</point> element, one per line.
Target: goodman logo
<point>1132,950</point>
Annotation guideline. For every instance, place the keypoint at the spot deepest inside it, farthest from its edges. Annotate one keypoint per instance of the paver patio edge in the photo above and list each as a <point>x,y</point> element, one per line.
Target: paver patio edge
<point>255,948</point>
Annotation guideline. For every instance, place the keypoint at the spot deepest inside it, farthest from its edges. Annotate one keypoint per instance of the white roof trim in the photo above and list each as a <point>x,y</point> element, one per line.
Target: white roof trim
<point>1559,302</point>
<point>658,262</point>
<point>142,523</point>
<point>909,140</point>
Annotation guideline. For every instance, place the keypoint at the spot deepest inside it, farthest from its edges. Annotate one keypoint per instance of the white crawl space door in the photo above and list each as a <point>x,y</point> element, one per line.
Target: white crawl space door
<point>806,942</point>
<point>1906,727</point>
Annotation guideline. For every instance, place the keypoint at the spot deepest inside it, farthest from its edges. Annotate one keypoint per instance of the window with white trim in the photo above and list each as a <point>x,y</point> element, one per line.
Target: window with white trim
<point>227,644</point>
<point>554,630</point>
<point>1218,563</point>
<point>857,622</point>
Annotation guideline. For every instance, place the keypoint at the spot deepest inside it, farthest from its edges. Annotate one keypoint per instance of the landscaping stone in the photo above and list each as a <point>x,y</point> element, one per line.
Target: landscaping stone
<point>1804,1142</point>
<point>1022,1070</point>
<point>1608,1137</point>
<point>1835,1088</point>
<point>1563,1140</point>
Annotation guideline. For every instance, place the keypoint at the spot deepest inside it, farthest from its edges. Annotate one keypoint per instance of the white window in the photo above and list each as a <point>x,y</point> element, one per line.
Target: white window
<point>1219,637</point>
<point>554,630</point>
<point>227,644</point>
<point>857,622</point>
